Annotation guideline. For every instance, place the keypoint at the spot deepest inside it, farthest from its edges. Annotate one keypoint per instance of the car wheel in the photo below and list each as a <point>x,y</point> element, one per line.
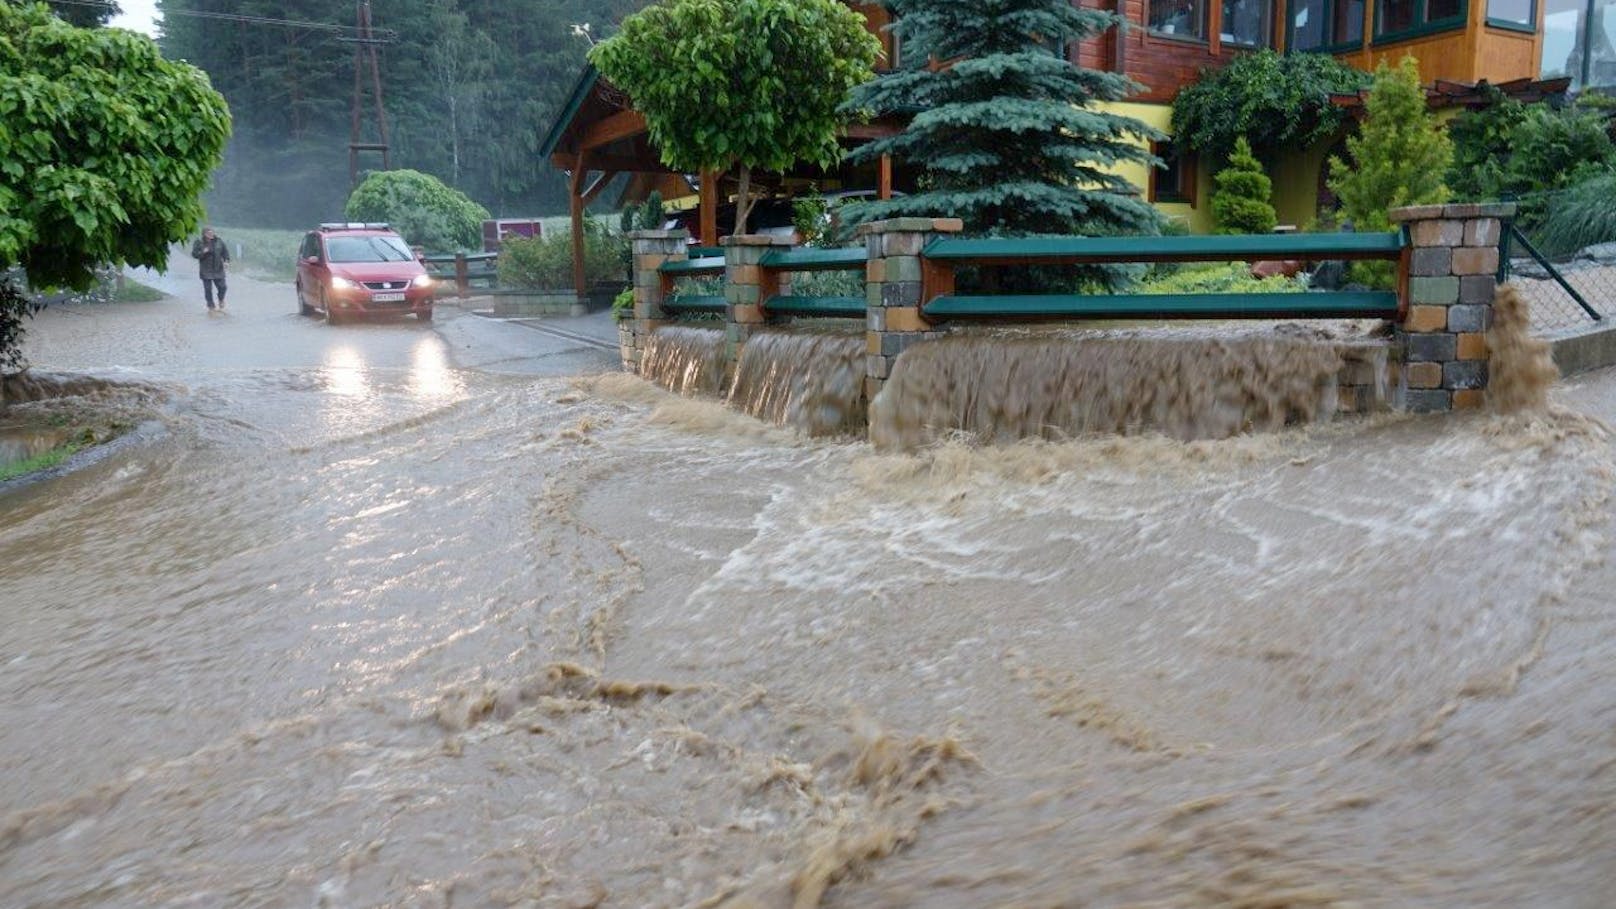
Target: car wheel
<point>331,317</point>
<point>303,307</point>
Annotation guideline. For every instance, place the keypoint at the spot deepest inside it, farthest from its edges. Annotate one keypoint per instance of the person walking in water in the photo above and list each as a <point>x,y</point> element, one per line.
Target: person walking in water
<point>213,255</point>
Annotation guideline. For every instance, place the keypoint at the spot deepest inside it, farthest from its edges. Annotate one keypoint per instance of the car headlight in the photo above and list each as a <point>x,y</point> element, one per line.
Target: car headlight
<point>340,283</point>
<point>422,281</point>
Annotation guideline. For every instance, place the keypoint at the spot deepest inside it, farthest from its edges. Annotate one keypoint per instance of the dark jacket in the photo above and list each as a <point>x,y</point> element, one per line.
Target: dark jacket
<point>212,256</point>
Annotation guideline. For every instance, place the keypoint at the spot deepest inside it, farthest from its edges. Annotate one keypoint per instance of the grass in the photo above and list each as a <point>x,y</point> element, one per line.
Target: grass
<point>136,292</point>
<point>268,254</point>
<point>40,462</point>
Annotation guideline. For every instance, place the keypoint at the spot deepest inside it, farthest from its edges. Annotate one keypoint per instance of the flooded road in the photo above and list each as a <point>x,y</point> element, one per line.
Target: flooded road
<point>400,615</point>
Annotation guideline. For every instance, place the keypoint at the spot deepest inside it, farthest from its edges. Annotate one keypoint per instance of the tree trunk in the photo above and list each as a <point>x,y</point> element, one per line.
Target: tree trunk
<point>454,139</point>
<point>743,200</point>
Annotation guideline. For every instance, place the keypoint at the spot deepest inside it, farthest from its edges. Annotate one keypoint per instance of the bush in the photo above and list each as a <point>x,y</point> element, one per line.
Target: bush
<point>545,263</point>
<point>1241,204</point>
<point>1222,278</point>
<point>1511,149</point>
<point>421,208</point>
<point>1275,101</point>
<point>1581,216</point>
<point>623,305</point>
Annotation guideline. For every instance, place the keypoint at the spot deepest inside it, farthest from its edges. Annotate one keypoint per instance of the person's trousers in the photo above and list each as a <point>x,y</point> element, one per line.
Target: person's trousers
<point>208,284</point>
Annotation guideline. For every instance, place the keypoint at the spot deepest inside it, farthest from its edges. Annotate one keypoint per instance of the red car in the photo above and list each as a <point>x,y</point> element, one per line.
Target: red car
<point>348,271</point>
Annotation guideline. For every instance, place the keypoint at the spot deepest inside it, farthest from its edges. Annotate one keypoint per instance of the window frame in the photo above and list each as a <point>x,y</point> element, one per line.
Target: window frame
<point>1189,164</point>
<point>1528,27</point>
<point>1205,23</point>
<point>1422,27</point>
<point>1270,7</point>
<point>1328,8</point>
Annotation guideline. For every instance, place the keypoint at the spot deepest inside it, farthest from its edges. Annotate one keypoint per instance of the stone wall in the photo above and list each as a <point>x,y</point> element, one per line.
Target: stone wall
<point>1452,274</point>
<point>650,248</point>
<point>894,287</point>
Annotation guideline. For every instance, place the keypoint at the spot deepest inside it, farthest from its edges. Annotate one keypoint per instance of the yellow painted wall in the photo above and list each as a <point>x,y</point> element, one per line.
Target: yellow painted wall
<point>1197,217</point>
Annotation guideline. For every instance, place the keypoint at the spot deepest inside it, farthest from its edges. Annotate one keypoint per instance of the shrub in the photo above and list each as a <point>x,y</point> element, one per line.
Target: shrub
<point>1512,149</point>
<point>1581,216</point>
<point>1241,204</point>
<point>421,208</point>
<point>623,305</point>
<point>545,263</point>
<point>1399,158</point>
<point>1222,278</point>
<point>1275,101</point>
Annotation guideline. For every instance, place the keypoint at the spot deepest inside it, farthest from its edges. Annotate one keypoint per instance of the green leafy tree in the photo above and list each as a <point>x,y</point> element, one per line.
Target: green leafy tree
<point>1275,101</point>
<point>1242,203</point>
<point>1009,136</point>
<point>1507,148</point>
<point>421,208</point>
<point>753,85</point>
<point>1400,157</point>
<point>104,150</point>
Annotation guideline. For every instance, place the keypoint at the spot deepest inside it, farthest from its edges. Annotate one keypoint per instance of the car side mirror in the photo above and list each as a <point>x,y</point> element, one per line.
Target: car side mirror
<point>312,260</point>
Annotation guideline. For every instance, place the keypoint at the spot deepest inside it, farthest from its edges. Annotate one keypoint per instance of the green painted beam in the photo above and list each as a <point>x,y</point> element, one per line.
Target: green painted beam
<point>695,303</point>
<point>815,259</point>
<point>1220,248</point>
<point>705,252</point>
<point>707,266</point>
<point>820,307</point>
<point>1327,305</point>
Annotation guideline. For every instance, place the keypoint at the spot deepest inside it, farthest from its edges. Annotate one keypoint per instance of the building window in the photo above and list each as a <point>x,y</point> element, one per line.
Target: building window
<point>1579,40</point>
<point>1174,180</point>
<point>1326,24</point>
<point>1512,13</point>
<point>1394,18</point>
<point>1245,22</point>
<point>1179,18</point>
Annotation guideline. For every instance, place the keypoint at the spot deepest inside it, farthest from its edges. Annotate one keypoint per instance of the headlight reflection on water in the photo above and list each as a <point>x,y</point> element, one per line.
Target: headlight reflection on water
<point>431,377</point>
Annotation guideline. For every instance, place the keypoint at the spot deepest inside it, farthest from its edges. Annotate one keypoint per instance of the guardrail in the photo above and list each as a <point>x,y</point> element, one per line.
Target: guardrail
<point>940,258</point>
<point>464,268</point>
<point>702,267</point>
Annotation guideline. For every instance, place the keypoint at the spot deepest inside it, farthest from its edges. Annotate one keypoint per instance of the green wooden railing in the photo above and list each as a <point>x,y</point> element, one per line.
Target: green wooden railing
<point>941,257</point>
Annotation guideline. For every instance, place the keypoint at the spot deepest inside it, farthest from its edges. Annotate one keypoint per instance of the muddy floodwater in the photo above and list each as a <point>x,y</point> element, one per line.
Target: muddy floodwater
<point>400,615</point>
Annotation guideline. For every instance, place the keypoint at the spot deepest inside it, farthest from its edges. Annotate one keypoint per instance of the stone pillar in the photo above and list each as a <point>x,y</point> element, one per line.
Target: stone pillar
<point>1452,275</point>
<point>746,286</point>
<point>650,248</point>
<point>894,277</point>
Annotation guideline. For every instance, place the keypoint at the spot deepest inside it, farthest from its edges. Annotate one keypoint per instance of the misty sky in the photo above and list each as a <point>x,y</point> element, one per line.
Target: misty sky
<point>140,15</point>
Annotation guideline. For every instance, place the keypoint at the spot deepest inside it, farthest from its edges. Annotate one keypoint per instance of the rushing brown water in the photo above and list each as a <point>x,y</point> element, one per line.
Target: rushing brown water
<point>813,381</point>
<point>688,361</point>
<point>353,636</point>
<point>1001,387</point>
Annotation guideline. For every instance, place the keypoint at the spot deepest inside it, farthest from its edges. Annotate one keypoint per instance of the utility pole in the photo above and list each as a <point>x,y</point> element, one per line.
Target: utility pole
<point>365,51</point>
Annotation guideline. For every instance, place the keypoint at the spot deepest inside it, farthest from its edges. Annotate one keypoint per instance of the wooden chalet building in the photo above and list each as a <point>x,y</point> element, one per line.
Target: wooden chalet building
<point>1163,45</point>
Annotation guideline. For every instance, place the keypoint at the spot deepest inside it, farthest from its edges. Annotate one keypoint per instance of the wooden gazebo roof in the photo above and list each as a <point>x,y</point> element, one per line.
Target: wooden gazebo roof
<point>1447,93</point>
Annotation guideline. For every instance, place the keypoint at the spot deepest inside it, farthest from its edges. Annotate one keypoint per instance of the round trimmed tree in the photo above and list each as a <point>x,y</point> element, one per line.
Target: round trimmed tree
<point>425,211</point>
<point>751,85</point>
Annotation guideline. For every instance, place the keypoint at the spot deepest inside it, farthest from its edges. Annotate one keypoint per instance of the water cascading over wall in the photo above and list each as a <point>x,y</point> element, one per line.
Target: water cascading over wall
<point>812,381</point>
<point>1001,386</point>
<point>687,361</point>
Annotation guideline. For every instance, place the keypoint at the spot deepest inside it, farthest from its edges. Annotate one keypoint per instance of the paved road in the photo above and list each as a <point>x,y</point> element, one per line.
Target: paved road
<point>262,330</point>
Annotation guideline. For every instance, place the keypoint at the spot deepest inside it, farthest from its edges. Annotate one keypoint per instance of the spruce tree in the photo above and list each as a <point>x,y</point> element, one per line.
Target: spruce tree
<point>1241,203</point>
<point>1006,133</point>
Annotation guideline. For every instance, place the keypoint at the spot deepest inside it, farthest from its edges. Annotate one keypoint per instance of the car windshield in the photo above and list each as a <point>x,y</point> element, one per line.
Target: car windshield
<point>367,249</point>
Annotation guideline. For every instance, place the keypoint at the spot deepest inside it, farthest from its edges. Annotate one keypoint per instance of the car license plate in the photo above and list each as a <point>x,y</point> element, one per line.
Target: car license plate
<point>388,298</point>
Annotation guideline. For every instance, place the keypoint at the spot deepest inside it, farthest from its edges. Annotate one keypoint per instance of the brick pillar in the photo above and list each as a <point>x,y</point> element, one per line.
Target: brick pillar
<point>893,291</point>
<point>745,287</point>
<point>1453,272</point>
<point>650,249</point>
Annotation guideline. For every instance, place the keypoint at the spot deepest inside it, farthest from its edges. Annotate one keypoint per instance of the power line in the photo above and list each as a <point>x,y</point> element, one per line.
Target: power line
<point>346,33</point>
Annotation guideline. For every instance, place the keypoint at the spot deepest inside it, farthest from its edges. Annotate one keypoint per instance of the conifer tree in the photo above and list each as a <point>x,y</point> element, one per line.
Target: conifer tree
<point>1241,203</point>
<point>1006,134</point>
<point>1400,156</point>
